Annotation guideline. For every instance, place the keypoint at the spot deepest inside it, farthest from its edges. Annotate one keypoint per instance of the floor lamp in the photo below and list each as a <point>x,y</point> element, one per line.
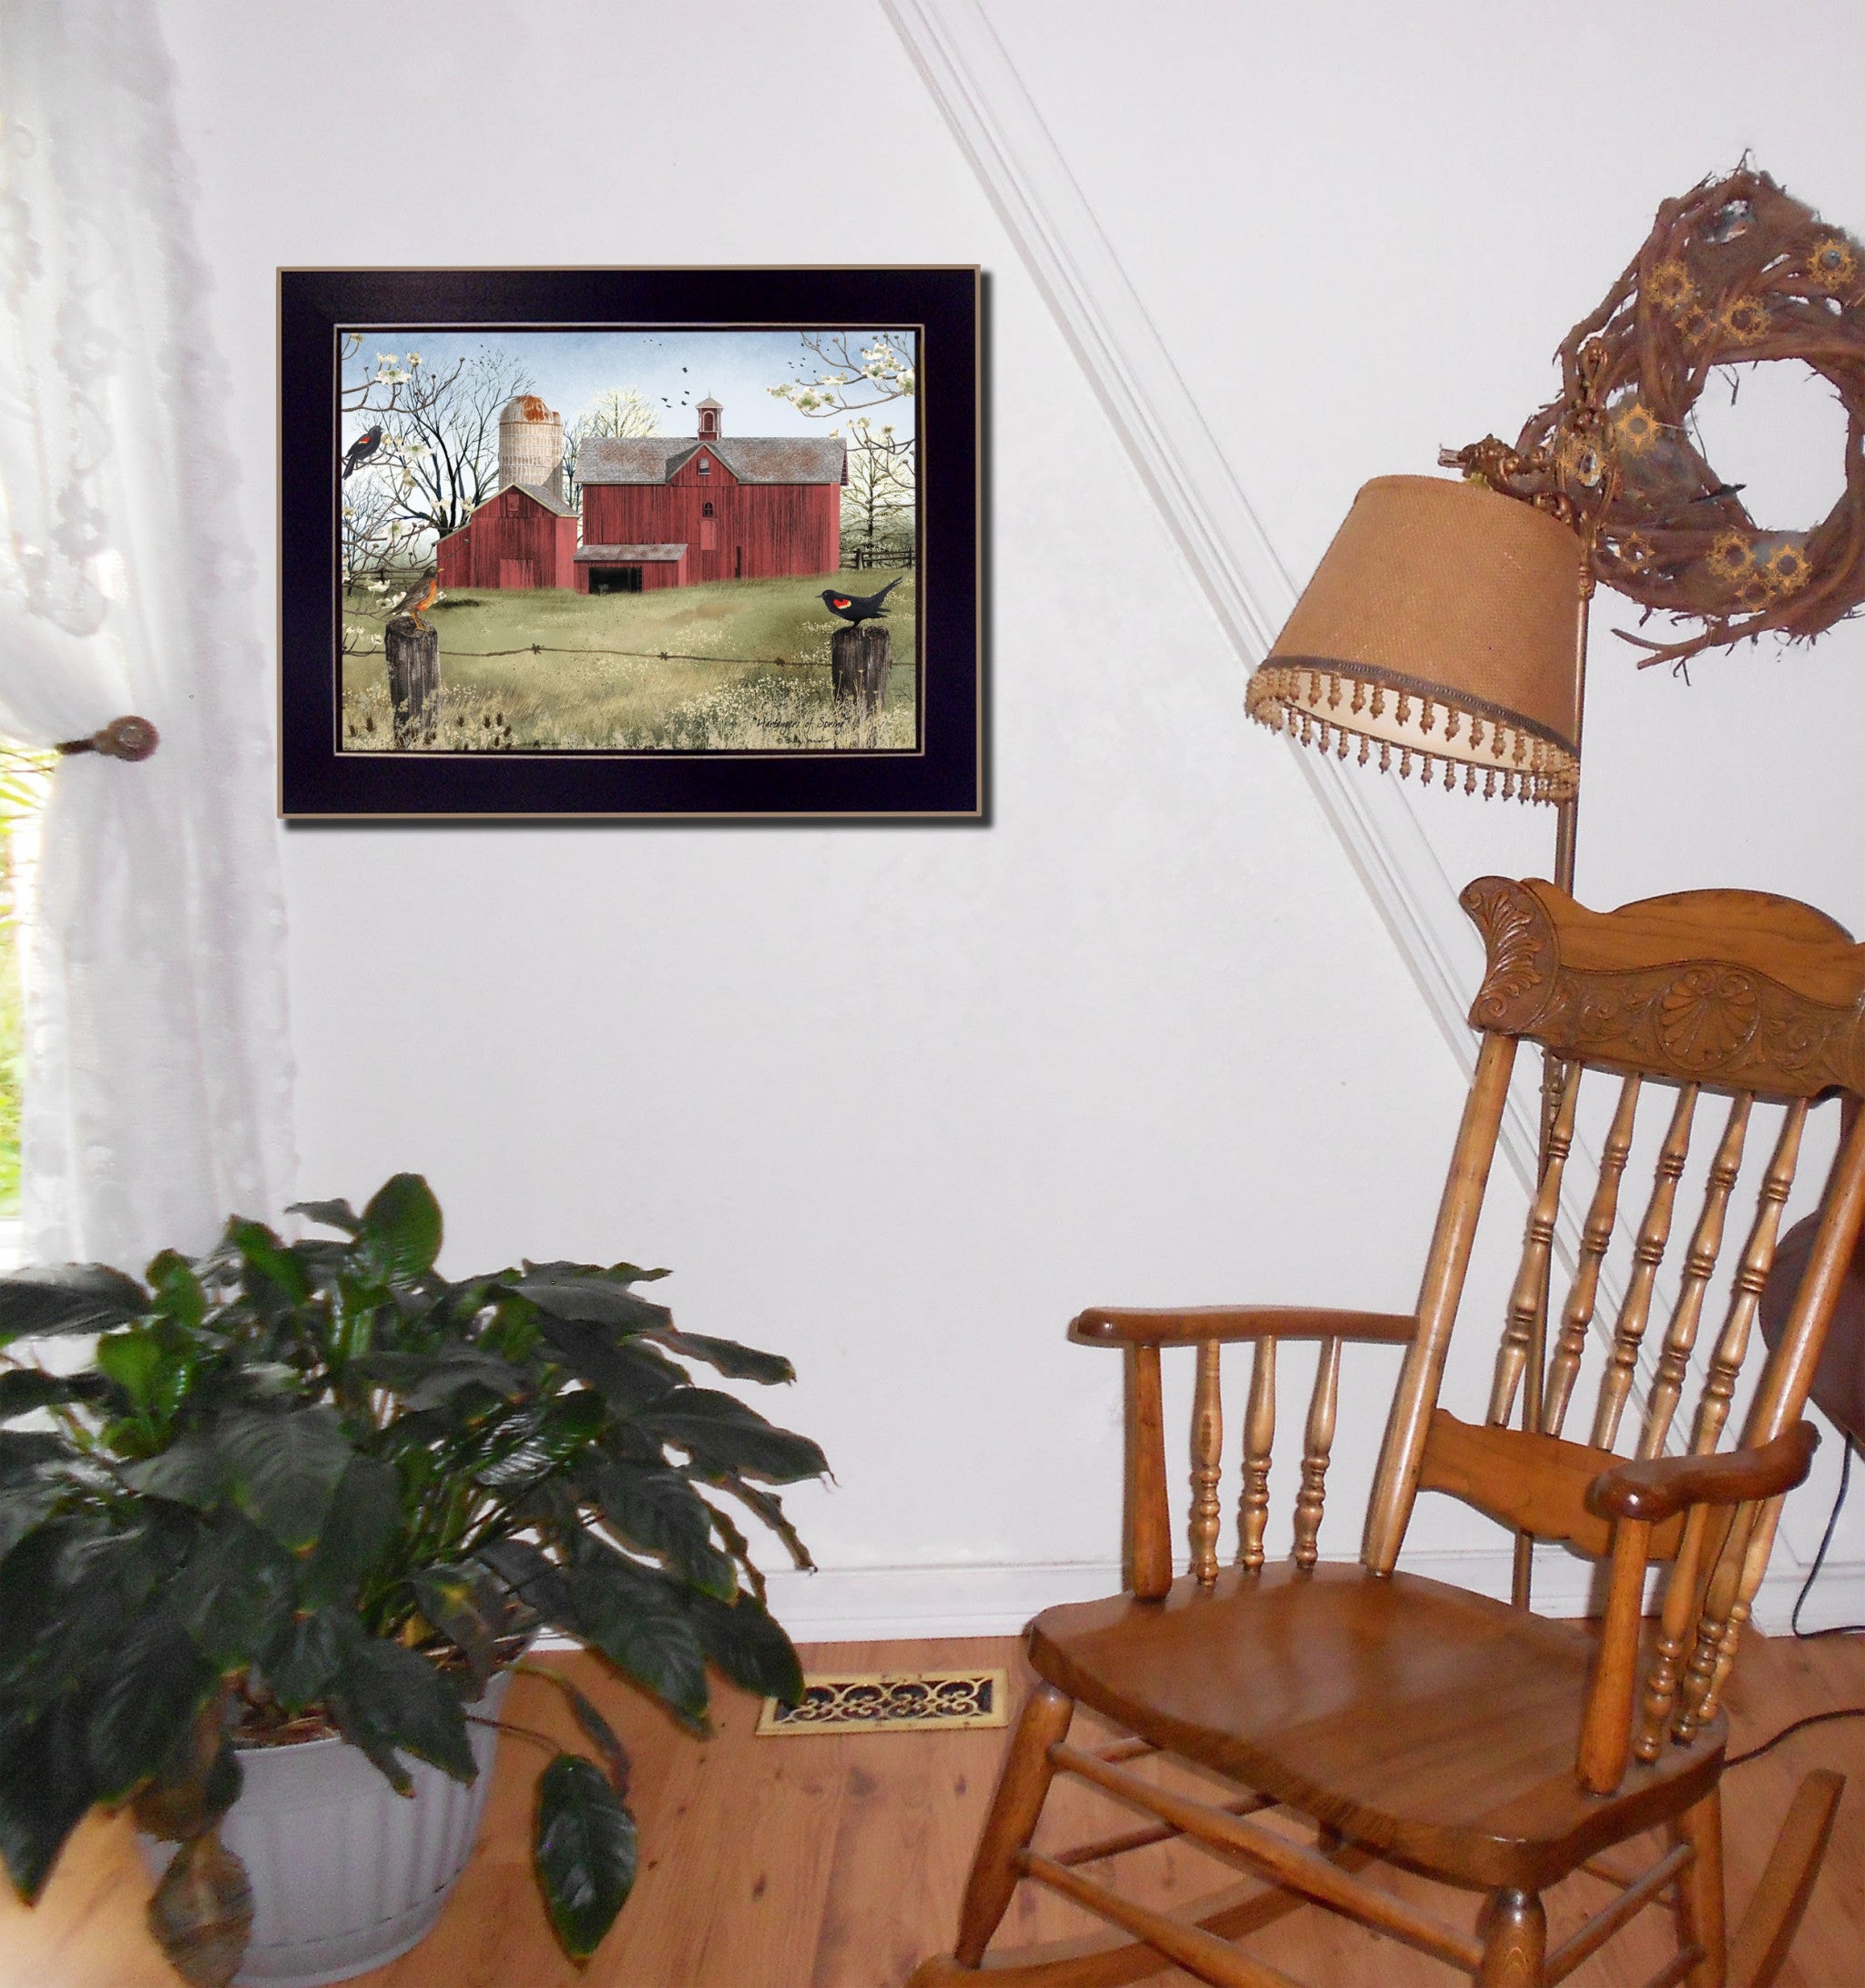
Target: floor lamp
<point>1444,632</point>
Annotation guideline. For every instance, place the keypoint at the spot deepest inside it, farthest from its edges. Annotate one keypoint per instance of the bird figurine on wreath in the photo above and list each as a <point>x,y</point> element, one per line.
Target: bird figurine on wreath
<point>1734,272</point>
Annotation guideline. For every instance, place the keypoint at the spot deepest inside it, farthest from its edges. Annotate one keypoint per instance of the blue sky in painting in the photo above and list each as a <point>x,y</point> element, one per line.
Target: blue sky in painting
<point>673,367</point>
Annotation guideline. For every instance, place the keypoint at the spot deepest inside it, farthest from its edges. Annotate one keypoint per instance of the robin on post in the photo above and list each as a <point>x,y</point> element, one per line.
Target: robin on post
<point>421,594</point>
<point>856,608</point>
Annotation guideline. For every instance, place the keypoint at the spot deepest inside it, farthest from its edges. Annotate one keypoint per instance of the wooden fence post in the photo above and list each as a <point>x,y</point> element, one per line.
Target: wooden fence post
<point>859,660</point>
<point>414,655</point>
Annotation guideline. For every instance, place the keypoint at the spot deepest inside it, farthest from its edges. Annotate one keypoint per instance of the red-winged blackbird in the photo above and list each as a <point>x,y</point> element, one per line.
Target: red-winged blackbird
<point>363,448</point>
<point>856,608</point>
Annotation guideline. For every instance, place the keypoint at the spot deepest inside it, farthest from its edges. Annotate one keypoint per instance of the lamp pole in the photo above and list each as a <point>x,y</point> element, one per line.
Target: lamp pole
<point>1553,1083</point>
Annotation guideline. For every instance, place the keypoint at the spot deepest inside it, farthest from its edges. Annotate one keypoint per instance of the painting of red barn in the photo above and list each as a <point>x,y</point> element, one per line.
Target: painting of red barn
<point>758,508</point>
<point>673,539</point>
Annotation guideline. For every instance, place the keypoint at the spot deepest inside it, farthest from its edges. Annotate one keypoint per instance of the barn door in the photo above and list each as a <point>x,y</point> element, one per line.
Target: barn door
<point>516,573</point>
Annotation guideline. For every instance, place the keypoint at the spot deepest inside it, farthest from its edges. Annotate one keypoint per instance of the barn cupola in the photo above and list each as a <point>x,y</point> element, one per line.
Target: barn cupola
<point>708,411</point>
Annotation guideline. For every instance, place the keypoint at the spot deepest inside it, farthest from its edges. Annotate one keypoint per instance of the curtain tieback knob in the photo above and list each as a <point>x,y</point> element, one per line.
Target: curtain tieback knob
<point>121,739</point>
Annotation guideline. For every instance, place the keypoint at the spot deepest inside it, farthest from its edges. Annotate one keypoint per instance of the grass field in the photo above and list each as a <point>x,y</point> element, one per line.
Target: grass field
<point>736,666</point>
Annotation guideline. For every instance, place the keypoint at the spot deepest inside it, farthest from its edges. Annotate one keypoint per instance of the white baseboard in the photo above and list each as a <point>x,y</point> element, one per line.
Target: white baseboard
<point>889,1605</point>
<point>859,1605</point>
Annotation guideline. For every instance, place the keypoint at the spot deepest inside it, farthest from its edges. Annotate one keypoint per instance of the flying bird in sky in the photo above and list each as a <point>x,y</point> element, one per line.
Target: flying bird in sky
<point>363,448</point>
<point>856,608</point>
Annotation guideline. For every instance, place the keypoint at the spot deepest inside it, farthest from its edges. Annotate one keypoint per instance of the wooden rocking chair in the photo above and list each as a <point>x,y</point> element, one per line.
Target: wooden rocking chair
<point>1409,1722</point>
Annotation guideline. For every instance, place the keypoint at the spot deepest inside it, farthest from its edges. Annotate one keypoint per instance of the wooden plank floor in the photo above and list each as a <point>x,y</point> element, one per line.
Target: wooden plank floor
<point>837,1862</point>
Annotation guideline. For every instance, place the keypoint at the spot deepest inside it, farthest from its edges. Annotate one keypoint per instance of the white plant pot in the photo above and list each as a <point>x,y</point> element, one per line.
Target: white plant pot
<point>346,1873</point>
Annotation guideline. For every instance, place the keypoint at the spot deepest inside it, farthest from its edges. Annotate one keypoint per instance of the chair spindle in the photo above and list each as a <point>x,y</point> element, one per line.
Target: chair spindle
<point>1697,1709</point>
<point>1751,1275</point>
<point>1317,1445</point>
<point>1699,1266</point>
<point>1595,1239</point>
<point>1206,1464</point>
<point>1648,1253</point>
<point>1530,1293</point>
<point>1258,1440</point>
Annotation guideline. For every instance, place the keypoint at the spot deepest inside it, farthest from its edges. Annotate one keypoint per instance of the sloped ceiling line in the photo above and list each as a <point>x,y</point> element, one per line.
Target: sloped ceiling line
<point>1023,174</point>
<point>998,126</point>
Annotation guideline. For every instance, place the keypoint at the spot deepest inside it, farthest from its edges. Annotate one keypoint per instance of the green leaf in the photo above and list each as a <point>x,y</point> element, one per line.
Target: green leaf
<point>190,1471</point>
<point>749,1645</point>
<point>736,1362</point>
<point>309,1654</point>
<point>67,1297</point>
<point>403,1217</point>
<point>263,1253</point>
<point>584,1853</point>
<point>236,1592</point>
<point>720,1429</point>
<point>462,1603</point>
<point>179,1294</point>
<point>594,1300</point>
<point>630,1376</point>
<point>24,1454</point>
<point>615,1273</point>
<point>387,1695</point>
<point>532,1576</point>
<point>46,1791</point>
<point>145,1703</point>
<point>68,1590</point>
<point>656,1509</point>
<point>329,1214</point>
<point>24,1388</point>
<point>285,1468</point>
<point>364,1516</point>
<point>151,1371</point>
<point>636,1617</point>
<point>432,1379</point>
<point>597,1729</point>
<point>24,1508</point>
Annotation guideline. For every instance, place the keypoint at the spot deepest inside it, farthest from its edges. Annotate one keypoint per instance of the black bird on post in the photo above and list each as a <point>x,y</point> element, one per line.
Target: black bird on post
<point>856,608</point>
<point>361,449</point>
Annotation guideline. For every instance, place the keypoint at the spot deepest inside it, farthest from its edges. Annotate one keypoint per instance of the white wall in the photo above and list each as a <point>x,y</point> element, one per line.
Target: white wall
<point>899,1100</point>
<point>1362,230</point>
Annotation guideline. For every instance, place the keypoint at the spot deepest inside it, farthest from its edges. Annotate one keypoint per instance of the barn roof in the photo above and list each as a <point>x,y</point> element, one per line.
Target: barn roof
<point>633,555</point>
<point>752,459</point>
<point>539,492</point>
<point>547,498</point>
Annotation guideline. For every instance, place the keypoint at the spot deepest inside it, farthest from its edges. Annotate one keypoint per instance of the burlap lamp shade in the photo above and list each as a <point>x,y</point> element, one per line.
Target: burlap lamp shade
<point>1442,629</point>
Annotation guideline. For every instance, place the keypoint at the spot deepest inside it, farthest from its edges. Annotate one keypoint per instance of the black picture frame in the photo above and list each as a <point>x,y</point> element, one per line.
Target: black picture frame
<point>318,780</point>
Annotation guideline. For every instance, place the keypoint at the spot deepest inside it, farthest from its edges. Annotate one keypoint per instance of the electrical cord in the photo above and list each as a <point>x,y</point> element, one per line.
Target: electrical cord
<point>1811,1635</point>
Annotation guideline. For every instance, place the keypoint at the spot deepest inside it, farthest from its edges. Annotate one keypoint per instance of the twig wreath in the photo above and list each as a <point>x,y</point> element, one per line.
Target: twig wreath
<point>1736,273</point>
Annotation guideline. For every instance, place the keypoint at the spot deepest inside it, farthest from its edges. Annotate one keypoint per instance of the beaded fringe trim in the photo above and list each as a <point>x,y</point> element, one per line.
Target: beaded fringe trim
<point>1518,766</point>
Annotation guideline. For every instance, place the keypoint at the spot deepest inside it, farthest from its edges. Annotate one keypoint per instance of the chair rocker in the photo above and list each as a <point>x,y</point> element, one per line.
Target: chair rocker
<point>1398,1720</point>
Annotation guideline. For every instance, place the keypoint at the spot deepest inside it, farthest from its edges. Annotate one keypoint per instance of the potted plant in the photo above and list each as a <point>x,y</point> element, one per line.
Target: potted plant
<point>316,1491</point>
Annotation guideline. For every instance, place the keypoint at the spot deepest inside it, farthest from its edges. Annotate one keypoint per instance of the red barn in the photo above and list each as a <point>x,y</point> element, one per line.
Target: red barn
<point>523,535</point>
<point>661,511</point>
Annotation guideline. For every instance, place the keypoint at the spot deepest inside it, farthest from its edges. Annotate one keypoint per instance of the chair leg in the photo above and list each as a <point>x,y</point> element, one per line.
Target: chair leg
<point>1020,1790</point>
<point>1700,1912</point>
<point>1514,1942</point>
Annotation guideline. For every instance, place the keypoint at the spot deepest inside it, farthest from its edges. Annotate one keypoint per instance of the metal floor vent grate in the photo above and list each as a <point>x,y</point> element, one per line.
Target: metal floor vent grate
<point>920,1701</point>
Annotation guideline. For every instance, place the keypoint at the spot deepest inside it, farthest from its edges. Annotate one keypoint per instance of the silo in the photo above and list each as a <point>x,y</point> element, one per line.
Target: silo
<point>531,443</point>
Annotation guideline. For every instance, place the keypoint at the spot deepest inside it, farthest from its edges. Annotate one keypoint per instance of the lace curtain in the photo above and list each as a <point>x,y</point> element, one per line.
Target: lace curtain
<point>157,1094</point>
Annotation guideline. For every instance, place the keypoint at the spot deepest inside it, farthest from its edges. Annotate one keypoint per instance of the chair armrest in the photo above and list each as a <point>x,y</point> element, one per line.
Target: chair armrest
<point>1104,1325</point>
<point>1655,1489</point>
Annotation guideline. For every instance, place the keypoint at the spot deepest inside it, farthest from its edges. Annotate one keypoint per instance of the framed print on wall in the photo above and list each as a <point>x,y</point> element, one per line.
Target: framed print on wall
<point>630,542</point>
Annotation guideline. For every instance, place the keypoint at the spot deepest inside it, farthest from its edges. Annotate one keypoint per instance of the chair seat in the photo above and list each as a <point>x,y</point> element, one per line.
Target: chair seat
<point>1435,1725</point>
